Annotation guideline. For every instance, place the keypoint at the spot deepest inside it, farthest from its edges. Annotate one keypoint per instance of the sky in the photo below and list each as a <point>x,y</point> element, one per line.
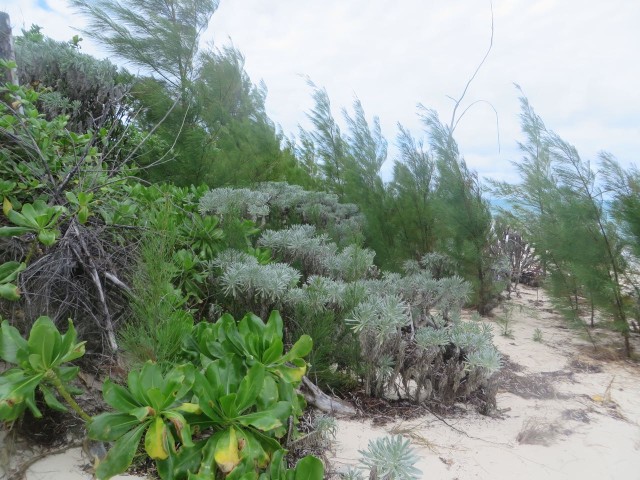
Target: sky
<point>576,60</point>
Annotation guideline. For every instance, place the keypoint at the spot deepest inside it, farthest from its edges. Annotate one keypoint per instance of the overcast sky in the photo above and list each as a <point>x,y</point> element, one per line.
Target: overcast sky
<point>577,61</point>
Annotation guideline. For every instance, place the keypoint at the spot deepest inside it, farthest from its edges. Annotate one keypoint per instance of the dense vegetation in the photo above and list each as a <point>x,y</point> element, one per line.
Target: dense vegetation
<point>154,208</point>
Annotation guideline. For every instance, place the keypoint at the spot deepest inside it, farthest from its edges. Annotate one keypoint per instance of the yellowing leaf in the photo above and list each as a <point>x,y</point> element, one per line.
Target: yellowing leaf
<point>226,453</point>
<point>155,442</point>
<point>7,206</point>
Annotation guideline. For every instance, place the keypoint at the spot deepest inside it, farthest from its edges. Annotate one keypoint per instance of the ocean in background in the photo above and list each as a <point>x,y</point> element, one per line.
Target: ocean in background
<point>499,203</point>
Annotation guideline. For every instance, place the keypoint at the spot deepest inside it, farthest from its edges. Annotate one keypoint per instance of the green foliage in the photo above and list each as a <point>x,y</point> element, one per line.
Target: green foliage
<point>466,234</point>
<point>350,165</point>
<point>505,321</point>
<point>149,404</point>
<point>581,243</point>
<point>37,218</point>
<point>8,274</point>
<point>71,83</point>
<point>158,322</point>
<point>239,392</point>
<point>158,36</point>
<point>537,335</point>
<point>237,400</point>
<point>37,363</point>
<point>412,191</point>
<point>391,458</point>
<point>256,343</point>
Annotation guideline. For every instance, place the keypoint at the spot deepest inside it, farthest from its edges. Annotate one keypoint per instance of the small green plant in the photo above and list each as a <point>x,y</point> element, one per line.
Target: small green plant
<point>537,335</point>
<point>8,274</point>
<point>81,202</point>
<point>39,364</point>
<point>38,218</point>
<point>391,458</point>
<point>505,321</point>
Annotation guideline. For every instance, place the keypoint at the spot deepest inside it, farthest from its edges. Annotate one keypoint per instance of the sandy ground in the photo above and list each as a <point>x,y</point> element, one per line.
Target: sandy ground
<point>566,414</point>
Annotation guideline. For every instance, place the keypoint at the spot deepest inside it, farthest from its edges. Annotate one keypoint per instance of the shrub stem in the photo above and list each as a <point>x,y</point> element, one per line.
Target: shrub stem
<point>69,399</point>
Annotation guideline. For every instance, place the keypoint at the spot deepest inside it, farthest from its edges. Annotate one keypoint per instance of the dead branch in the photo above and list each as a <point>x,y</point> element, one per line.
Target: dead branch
<point>323,402</point>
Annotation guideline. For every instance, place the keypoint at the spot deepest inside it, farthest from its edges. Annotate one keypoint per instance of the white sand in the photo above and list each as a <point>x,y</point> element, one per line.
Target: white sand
<point>595,431</point>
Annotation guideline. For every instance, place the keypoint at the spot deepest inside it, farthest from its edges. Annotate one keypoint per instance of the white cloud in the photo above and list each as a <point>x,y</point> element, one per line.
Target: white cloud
<point>575,59</point>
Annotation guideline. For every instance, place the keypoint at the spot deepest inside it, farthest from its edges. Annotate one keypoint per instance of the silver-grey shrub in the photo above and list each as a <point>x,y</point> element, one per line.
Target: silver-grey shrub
<point>391,458</point>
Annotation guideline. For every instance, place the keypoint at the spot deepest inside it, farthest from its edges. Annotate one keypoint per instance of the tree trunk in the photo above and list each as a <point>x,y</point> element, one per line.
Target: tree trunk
<point>7,51</point>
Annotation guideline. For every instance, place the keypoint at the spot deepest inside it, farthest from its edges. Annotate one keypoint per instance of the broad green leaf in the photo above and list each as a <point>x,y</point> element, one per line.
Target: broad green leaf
<point>181,426</point>
<point>250,387</point>
<point>135,386</point>
<point>22,221</point>
<point>69,349</point>
<point>51,400</point>
<point>292,374</point>
<point>177,384</point>
<point>118,397</point>
<point>181,463</point>
<point>251,448</point>
<point>67,373</point>
<point>205,398</point>
<point>300,349</point>
<point>224,374</point>
<point>44,341</point>
<point>9,271</point>
<point>269,393</point>
<point>226,453</point>
<point>274,327</point>
<point>309,468</point>
<point>83,214</point>
<point>277,468</point>
<point>36,363</point>
<point>274,352</point>
<point>151,379</point>
<point>156,441</point>
<point>251,324</point>
<point>15,388</point>
<point>14,231</point>
<point>208,464</point>
<point>267,420</point>
<point>142,413</point>
<point>26,218</point>
<point>228,405</point>
<point>72,198</point>
<point>156,400</point>
<point>10,292</point>
<point>121,454</point>
<point>13,348</point>
<point>111,426</point>
<point>48,237</point>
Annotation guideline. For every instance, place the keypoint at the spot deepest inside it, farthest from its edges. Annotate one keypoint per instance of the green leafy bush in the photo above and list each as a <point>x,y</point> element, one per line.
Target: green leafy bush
<point>38,364</point>
<point>222,416</point>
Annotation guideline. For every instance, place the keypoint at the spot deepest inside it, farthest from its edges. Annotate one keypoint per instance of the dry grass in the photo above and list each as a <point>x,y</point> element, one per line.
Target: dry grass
<point>413,432</point>
<point>580,366</point>
<point>537,431</point>
<point>577,415</point>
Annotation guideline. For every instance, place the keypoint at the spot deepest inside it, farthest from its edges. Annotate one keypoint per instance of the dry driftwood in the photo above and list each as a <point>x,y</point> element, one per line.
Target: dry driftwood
<point>323,402</point>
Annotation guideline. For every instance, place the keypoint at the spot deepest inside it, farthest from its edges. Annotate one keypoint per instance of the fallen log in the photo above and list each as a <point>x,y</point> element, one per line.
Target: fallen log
<point>323,402</point>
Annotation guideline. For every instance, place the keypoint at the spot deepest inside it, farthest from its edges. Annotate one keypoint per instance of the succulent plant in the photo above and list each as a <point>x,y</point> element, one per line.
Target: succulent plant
<point>392,458</point>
